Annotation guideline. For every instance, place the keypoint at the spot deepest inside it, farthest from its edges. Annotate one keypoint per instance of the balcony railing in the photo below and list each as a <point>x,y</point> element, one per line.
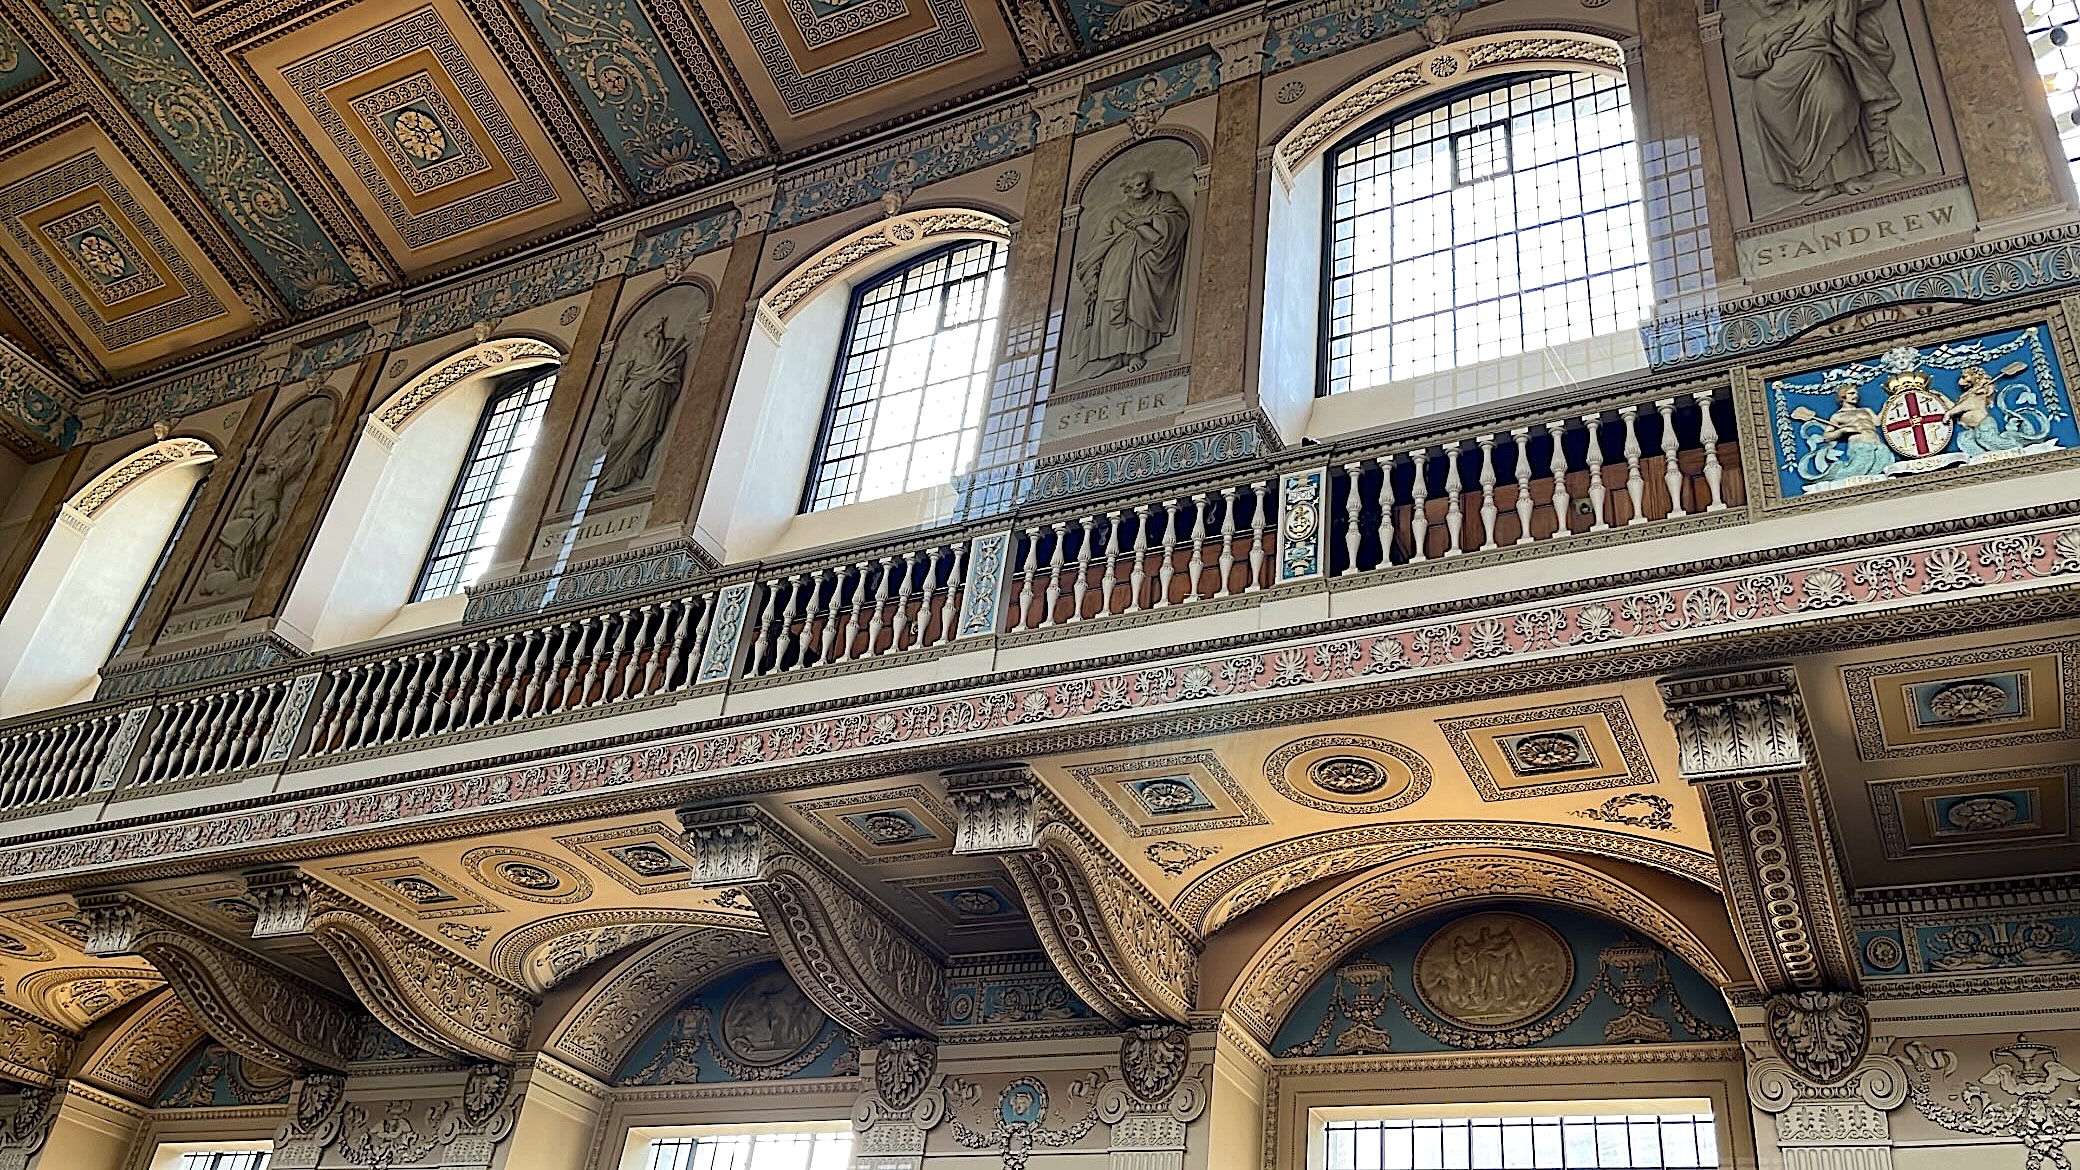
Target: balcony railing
<point>1429,503</point>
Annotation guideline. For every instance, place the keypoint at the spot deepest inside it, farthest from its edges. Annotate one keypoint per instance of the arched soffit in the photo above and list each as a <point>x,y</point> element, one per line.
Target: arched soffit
<point>135,1056</point>
<point>872,247</point>
<point>132,469</point>
<point>544,954</point>
<point>1378,902</point>
<point>495,356</point>
<point>78,996</point>
<point>1249,880</point>
<point>599,1027</point>
<point>1434,71</point>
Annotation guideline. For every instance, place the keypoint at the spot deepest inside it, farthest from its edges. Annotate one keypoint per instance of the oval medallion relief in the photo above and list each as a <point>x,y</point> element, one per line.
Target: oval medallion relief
<point>1348,773</point>
<point>1494,970</point>
<point>523,873</point>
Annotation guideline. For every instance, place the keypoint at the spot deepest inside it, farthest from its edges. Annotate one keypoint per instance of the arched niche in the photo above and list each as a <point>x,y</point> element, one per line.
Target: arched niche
<point>1290,350</point>
<point>84,582</point>
<point>751,1024</point>
<point>357,579</point>
<point>776,409</point>
<point>1290,959</point>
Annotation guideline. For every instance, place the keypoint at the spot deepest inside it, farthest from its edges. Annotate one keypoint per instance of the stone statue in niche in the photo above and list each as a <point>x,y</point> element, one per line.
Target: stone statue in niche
<point>1126,292</point>
<point>1828,101</point>
<point>284,462</point>
<point>652,355</point>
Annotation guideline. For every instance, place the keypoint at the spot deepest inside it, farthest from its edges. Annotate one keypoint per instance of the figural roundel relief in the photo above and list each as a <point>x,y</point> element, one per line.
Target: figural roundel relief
<point>769,1020</point>
<point>524,873</point>
<point>1348,773</point>
<point>1494,970</point>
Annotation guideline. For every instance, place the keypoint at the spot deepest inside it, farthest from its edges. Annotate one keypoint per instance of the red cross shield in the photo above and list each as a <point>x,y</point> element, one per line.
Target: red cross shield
<point>1916,423</point>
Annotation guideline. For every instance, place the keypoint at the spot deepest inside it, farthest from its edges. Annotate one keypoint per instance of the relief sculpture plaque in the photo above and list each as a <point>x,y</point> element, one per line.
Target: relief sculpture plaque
<point>1494,970</point>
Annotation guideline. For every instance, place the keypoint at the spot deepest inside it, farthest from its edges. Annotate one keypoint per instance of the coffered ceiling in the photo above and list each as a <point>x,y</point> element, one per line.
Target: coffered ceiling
<point>180,173</point>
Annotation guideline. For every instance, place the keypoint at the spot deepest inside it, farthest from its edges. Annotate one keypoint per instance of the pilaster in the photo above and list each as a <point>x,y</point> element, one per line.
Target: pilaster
<point>1841,1125</point>
<point>74,1127</point>
<point>1221,344</point>
<point>16,564</point>
<point>1999,120</point>
<point>294,536</point>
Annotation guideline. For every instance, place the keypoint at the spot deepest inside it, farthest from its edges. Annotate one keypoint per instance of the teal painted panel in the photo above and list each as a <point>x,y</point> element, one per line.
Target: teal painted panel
<point>167,91</point>
<point>19,68</point>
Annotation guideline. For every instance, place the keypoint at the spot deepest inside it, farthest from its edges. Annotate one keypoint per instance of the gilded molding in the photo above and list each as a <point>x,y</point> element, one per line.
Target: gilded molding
<point>32,1052</point>
<point>250,1006</point>
<point>102,490</point>
<point>503,353</point>
<point>1374,904</point>
<point>1117,945</point>
<point>852,958</point>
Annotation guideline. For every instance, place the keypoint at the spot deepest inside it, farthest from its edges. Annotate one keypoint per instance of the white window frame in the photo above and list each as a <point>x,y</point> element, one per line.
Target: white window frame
<point>636,1154</point>
<point>1318,1118</point>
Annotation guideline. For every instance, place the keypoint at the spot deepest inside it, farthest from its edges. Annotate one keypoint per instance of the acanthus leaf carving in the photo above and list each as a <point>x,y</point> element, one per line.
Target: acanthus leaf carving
<point>248,1004</point>
<point>317,1109</point>
<point>1152,1060</point>
<point>903,1066</point>
<point>32,1051</point>
<point>849,956</point>
<point>1118,946</point>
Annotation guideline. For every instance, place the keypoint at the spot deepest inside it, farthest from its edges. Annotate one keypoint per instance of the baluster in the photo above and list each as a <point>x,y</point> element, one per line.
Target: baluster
<point>252,724</point>
<point>412,671</point>
<point>502,686</point>
<point>366,700</point>
<point>542,642</point>
<point>1671,468</point>
<point>1259,532</point>
<point>596,640</point>
<point>850,581</point>
<point>1085,525</point>
<point>1354,505</point>
<point>1708,434</point>
<point>1030,573</point>
<point>557,695</point>
<point>633,649</point>
<point>685,654</point>
<point>1060,528</point>
<point>1226,561</point>
<point>479,673</point>
<point>1195,566</point>
<point>1108,576</point>
<point>1635,487</point>
<point>57,769</point>
<point>12,750</point>
<point>220,731</point>
<point>1556,430</point>
<point>1455,495</point>
<point>789,640</point>
<point>764,641</point>
<point>1140,572</point>
<point>947,612</point>
<point>1487,444</point>
<point>181,759</point>
<point>1166,568</point>
<point>385,709</point>
<point>1419,506</point>
<point>927,589</point>
<point>879,620</point>
<point>46,740</point>
<point>450,689</point>
<point>900,623</point>
<point>561,666</point>
<point>1522,437</point>
<point>322,730</point>
<point>1594,458</point>
<point>829,632</point>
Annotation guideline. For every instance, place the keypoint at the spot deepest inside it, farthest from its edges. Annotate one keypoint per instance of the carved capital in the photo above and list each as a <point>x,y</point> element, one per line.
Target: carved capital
<point>315,1111</point>
<point>1841,1124</point>
<point>1116,945</point>
<point>1821,1035</point>
<point>24,1134</point>
<point>848,955</point>
<point>1742,745</point>
<point>250,1005</point>
<point>1737,725</point>
<point>1152,1059</point>
<point>32,1052</point>
<point>418,989</point>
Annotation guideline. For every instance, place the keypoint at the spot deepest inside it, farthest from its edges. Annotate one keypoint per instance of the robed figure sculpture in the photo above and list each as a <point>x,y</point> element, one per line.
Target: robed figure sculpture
<point>1131,279</point>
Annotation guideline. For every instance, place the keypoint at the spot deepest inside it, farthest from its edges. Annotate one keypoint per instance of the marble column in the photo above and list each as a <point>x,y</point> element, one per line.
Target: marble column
<point>1680,157</point>
<point>1220,342</point>
<point>191,547</point>
<point>1998,111</point>
<point>16,564</point>
<point>552,445</point>
<point>690,448</point>
<point>294,537</point>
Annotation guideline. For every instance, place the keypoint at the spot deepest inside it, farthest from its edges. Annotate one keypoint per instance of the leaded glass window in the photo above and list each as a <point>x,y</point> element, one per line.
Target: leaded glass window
<point>911,379</point>
<point>1502,220</point>
<point>484,488</point>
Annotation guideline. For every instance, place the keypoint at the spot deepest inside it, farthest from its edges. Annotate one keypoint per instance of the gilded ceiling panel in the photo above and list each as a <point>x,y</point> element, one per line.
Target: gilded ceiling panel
<point>19,67</point>
<point>425,129</point>
<point>128,282</point>
<point>172,99</point>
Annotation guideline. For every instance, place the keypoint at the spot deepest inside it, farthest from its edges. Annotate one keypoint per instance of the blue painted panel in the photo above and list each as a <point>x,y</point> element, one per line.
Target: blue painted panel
<point>615,60</point>
<point>1147,96</point>
<point>682,241</point>
<point>19,68</point>
<point>1915,410</point>
<point>214,1077</point>
<point>755,1025</point>
<point>838,189</point>
<point>1346,27</point>
<point>170,96</point>
<point>1370,1004</point>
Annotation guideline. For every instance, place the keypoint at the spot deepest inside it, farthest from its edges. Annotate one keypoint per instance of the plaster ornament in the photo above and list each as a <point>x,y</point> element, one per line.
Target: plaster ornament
<point>1494,970</point>
<point>769,1020</point>
<point>903,1066</point>
<point>286,457</point>
<point>2030,1074</point>
<point>1128,293</point>
<point>1152,1059</point>
<point>1820,1034</point>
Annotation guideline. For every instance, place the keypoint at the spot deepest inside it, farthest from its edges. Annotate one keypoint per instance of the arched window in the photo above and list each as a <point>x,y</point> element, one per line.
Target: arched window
<point>1491,222</point>
<point>2053,29</point>
<point>911,379</point>
<point>484,487</point>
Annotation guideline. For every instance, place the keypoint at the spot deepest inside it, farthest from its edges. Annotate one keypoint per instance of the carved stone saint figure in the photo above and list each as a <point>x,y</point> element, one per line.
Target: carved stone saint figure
<point>1129,283</point>
<point>1823,97</point>
<point>637,405</point>
<point>284,462</point>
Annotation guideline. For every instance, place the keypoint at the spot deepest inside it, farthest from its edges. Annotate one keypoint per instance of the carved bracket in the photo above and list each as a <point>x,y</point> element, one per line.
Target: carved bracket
<point>1741,743</point>
<point>1828,1125</point>
<point>425,993</point>
<point>245,1002</point>
<point>1118,947</point>
<point>847,954</point>
<point>32,1052</point>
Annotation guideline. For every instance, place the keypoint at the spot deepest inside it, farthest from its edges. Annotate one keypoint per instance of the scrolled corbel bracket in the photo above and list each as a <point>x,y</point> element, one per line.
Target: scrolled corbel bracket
<point>1741,743</point>
<point>1117,945</point>
<point>846,953</point>
<point>246,1002</point>
<point>423,992</point>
